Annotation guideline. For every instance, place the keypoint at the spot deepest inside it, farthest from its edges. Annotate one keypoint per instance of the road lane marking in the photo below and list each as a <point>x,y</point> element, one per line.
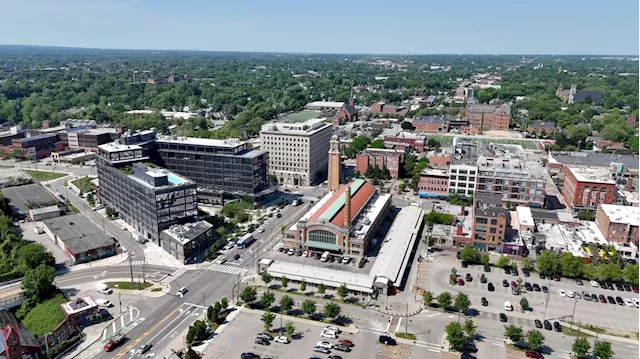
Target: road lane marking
<point>195,305</point>
<point>145,334</point>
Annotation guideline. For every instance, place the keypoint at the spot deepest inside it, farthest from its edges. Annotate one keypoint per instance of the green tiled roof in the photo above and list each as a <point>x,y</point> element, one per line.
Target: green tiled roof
<point>339,203</point>
<point>322,245</point>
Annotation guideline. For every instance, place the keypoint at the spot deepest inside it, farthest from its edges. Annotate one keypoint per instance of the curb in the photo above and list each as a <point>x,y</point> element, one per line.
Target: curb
<point>349,329</point>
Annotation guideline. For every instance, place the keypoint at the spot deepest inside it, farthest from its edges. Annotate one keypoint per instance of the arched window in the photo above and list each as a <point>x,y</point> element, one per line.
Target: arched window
<point>322,236</point>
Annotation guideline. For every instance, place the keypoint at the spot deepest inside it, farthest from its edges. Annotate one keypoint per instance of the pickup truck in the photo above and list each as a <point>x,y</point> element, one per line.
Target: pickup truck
<point>114,342</point>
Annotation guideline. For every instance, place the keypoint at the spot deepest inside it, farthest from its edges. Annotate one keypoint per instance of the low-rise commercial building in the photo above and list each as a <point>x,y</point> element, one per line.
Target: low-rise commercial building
<point>298,152</point>
<point>189,241</point>
<point>434,183</point>
<point>79,238</point>
<point>73,156</point>
<point>432,124</point>
<point>382,158</point>
<point>39,214</point>
<point>406,140</point>
<point>541,128</point>
<point>382,108</point>
<point>587,188</point>
<point>618,223</point>
<point>40,146</point>
<point>343,221</point>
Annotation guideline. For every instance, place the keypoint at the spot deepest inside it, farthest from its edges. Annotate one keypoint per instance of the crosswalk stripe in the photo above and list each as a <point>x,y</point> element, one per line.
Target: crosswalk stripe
<point>227,269</point>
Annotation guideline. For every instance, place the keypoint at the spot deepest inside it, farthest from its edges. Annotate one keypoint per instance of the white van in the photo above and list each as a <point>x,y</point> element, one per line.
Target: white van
<point>103,288</point>
<point>325,257</point>
<point>508,306</point>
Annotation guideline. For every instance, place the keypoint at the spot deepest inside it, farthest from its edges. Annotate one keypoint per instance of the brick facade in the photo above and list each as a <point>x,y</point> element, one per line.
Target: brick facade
<point>582,194</point>
<point>392,160</point>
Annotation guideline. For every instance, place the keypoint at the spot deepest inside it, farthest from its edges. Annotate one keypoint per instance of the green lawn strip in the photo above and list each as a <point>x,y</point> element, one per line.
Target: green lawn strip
<point>84,184</point>
<point>409,336</point>
<point>42,176</point>
<point>574,332</point>
<point>128,285</point>
<point>46,316</point>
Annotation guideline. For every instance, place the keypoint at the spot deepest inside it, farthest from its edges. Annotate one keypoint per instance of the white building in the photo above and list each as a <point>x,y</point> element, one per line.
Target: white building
<point>298,152</point>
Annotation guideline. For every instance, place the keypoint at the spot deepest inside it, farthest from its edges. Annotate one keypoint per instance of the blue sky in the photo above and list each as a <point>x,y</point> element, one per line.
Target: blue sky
<point>328,26</point>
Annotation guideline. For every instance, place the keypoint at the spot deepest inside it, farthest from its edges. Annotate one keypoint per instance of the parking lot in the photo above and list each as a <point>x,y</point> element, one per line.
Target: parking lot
<point>239,337</point>
<point>21,196</point>
<point>557,307</point>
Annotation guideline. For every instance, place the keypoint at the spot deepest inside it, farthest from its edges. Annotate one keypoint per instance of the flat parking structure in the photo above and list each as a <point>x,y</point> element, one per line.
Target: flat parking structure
<point>21,195</point>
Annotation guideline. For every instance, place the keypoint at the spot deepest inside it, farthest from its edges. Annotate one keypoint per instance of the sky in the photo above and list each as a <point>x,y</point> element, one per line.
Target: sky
<point>328,26</point>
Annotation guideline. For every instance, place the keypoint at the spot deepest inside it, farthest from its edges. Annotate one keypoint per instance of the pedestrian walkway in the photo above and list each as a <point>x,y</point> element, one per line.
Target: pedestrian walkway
<point>134,263</point>
<point>227,269</point>
<point>171,277</point>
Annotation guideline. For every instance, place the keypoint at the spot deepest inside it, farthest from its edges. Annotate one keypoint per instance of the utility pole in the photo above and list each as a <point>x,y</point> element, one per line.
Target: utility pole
<point>203,305</point>
<point>120,300</point>
<point>131,267</point>
<point>575,301</point>
<point>144,268</point>
<point>406,320</point>
<point>546,303</point>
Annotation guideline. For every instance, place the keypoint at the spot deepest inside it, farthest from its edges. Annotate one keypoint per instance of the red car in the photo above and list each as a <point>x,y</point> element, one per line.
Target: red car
<point>514,284</point>
<point>536,355</point>
<point>635,289</point>
<point>345,342</point>
<point>556,277</point>
<point>460,281</point>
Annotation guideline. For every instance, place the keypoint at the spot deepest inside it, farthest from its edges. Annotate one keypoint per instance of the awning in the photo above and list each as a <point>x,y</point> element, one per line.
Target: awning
<point>322,245</point>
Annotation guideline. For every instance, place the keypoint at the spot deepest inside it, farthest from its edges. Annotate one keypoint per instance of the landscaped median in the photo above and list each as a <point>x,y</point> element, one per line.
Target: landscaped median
<point>129,285</point>
<point>43,176</point>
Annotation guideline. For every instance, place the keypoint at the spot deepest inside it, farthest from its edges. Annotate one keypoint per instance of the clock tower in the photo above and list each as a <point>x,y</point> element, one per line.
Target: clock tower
<point>335,164</point>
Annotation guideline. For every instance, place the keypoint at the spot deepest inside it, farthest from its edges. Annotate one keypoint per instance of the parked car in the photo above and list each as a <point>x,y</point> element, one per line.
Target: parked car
<point>544,289</point>
<point>266,336</point>
<point>249,356</point>
<point>484,302</point>
<point>490,287</point>
<point>619,300</point>
<point>526,273</point>
<point>602,298</point>
<point>594,297</point>
<point>342,348</point>
<point>507,271</point>
<point>538,323</point>
<point>547,325</point>
<point>628,302</point>
<point>346,342</point>
<point>261,341</point>
<point>487,268</point>
<point>464,265</point>
<point>330,334</point>
<point>535,355</point>
<point>324,344</point>
<point>514,284</point>
<point>460,281</point>
<point>515,273</point>
<point>505,283</point>
<point>578,282</point>
<point>627,287</point>
<point>321,350</point>
<point>594,284</point>
<point>542,276</point>
<point>503,317</point>
<point>570,294</point>
<point>562,292</point>
<point>611,300</point>
<point>362,263</point>
<point>557,327</point>
<point>536,287</point>
<point>282,339</point>
<point>636,302</point>
<point>483,278</point>
<point>586,296</point>
<point>468,277</point>
<point>528,286</point>
<point>619,287</point>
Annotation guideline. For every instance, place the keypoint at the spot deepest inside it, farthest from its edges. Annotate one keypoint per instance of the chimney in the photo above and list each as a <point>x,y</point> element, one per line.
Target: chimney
<point>352,102</point>
<point>45,124</point>
<point>347,207</point>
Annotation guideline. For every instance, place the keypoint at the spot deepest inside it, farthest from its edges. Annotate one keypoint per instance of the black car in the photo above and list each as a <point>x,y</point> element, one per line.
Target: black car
<point>526,273</point>
<point>334,357</point>
<point>236,257</point>
<point>557,327</point>
<point>487,268</point>
<point>484,301</point>
<point>317,256</point>
<point>602,285</point>
<point>578,282</point>
<point>464,265</point>
<point>538,323</point>
<point>332,259</point>
<point>505,283</point>
<point>547,325</point>
<point>544,289</point>
<point>469,348</point>
<point>528,286</point>
<point>468,277</point>
<point>620,301</point>
<point>503,317</point>
<point>490,287</point>
<point>342,348</point>
<point>458,255</point>
<point>362,263</point>
<point>387,340</point>
<point>627,287</point>
<point>542,276</point>
<point>507,271</point>
<point>262,341</point>
<point>611,300</point>
<point>536,287</point>
<point>515,273</point>
<point>594,297</point>
<point>144,348</point>
<point>249,356</point>
<point>619,287</point>
<point>483,279</point>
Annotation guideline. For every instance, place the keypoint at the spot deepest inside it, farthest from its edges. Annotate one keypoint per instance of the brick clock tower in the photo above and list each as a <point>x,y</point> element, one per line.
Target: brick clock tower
<point>335,164</point>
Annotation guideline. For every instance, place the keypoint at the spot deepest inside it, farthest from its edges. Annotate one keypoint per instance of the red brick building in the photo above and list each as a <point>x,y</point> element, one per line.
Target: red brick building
<point>539,127</point>
<point>432,124</point>
<point>405,140</point>
<point>490,117</point>
<point>434,183</point>
<point>586,188</point>
<point>382,108</point>
<point>390,159</point>
<point>618,223</point>
<point>489,222</point>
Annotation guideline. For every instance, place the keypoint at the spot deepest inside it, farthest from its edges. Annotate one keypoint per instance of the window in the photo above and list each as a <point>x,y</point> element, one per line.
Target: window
<point>494,222</point>
<point>322,236</point>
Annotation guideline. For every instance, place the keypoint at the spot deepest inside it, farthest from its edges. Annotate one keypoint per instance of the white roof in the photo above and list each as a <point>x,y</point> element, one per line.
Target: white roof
<point>316,275</point>
<point>396,249</point>
<point>369,215</point>
<point>622,214</point>
<point>229,142</point>
<point>524,216</point>
<point>592,175</point>
<point>325,104</point>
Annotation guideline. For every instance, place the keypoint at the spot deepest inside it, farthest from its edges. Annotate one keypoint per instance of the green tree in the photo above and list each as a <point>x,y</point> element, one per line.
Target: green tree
<point>267,319</point>
<point>224,303</point>
<point>284,281</point>
<point>470,328</point>
<point>266,277</point>
<point>469,254</point>
<point>427,297</point>
<point>631,273</point>
<point>456,335</point>
<point>581,346</point>
<point>513,333</point>
<point>433,143</point>
<point>407,126</point>
<point>289,329</point>
<point>308,307</point>
<point>462,302</point>
<point>548,263</point>
<point>485,259</point>
<point>267,299</point>
<point>303,286</point>
<point>286,303</point>
<point>444,300</point>
<point>524,303</point>
<point>527,265</point>
<point>602,349</point>
<point>191,354</point>
<point>343,291</point>
<point>503,262</point>
<point>570,266</point>
<point>535,339</point>
<point>401,186</point>
<point>213,312</point>
<point>37,284</point>
<point>377,143</point>
<point>321,288</point>
<point>609,272</point>
<point>331,310</point>
<point>249,294</point>
<point>197,333</point>
<point>33,255</point>
<point>589,271</point>
<point>90,199</point>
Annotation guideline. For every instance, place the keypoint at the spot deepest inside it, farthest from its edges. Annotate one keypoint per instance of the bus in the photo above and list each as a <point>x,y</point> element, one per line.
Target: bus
<point>246,240</point>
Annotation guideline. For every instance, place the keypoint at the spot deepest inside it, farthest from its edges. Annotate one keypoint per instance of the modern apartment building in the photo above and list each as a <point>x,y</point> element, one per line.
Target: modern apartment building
<point>298,152</point>
<point>489,222</point>
<point>463,171</point>
<point>618,223</point>
<point>226,166</point>
<point>586,188</point>
<point>150,199</point>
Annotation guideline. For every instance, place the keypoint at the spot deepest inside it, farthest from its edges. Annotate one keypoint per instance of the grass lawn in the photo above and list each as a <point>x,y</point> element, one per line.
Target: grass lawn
<point>128,285</point>
<point>41,176</point>
<point>46,316</point>
<point>84,184</point>
<point>301,116</point>
<point>444,140</point>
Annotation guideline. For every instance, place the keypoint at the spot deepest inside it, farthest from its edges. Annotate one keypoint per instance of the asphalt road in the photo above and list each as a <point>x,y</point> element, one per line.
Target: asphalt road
<point>42,166</point>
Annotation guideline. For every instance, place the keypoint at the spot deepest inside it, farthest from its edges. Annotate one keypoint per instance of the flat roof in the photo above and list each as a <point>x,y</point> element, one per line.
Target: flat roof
<point>622,214</point>
<point>316,275</point>
<point>78,233</point>
<point>333,104</point>
<point>49,209</point>
<point>117,147</point>
<point>306,128</point>
<point>593,159</point>
<point>525,218</point>
<point>227,143</point>
<point>368,216</point>
<point>394,254</point>
<point>594,175</point>
<point>188,231</point>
